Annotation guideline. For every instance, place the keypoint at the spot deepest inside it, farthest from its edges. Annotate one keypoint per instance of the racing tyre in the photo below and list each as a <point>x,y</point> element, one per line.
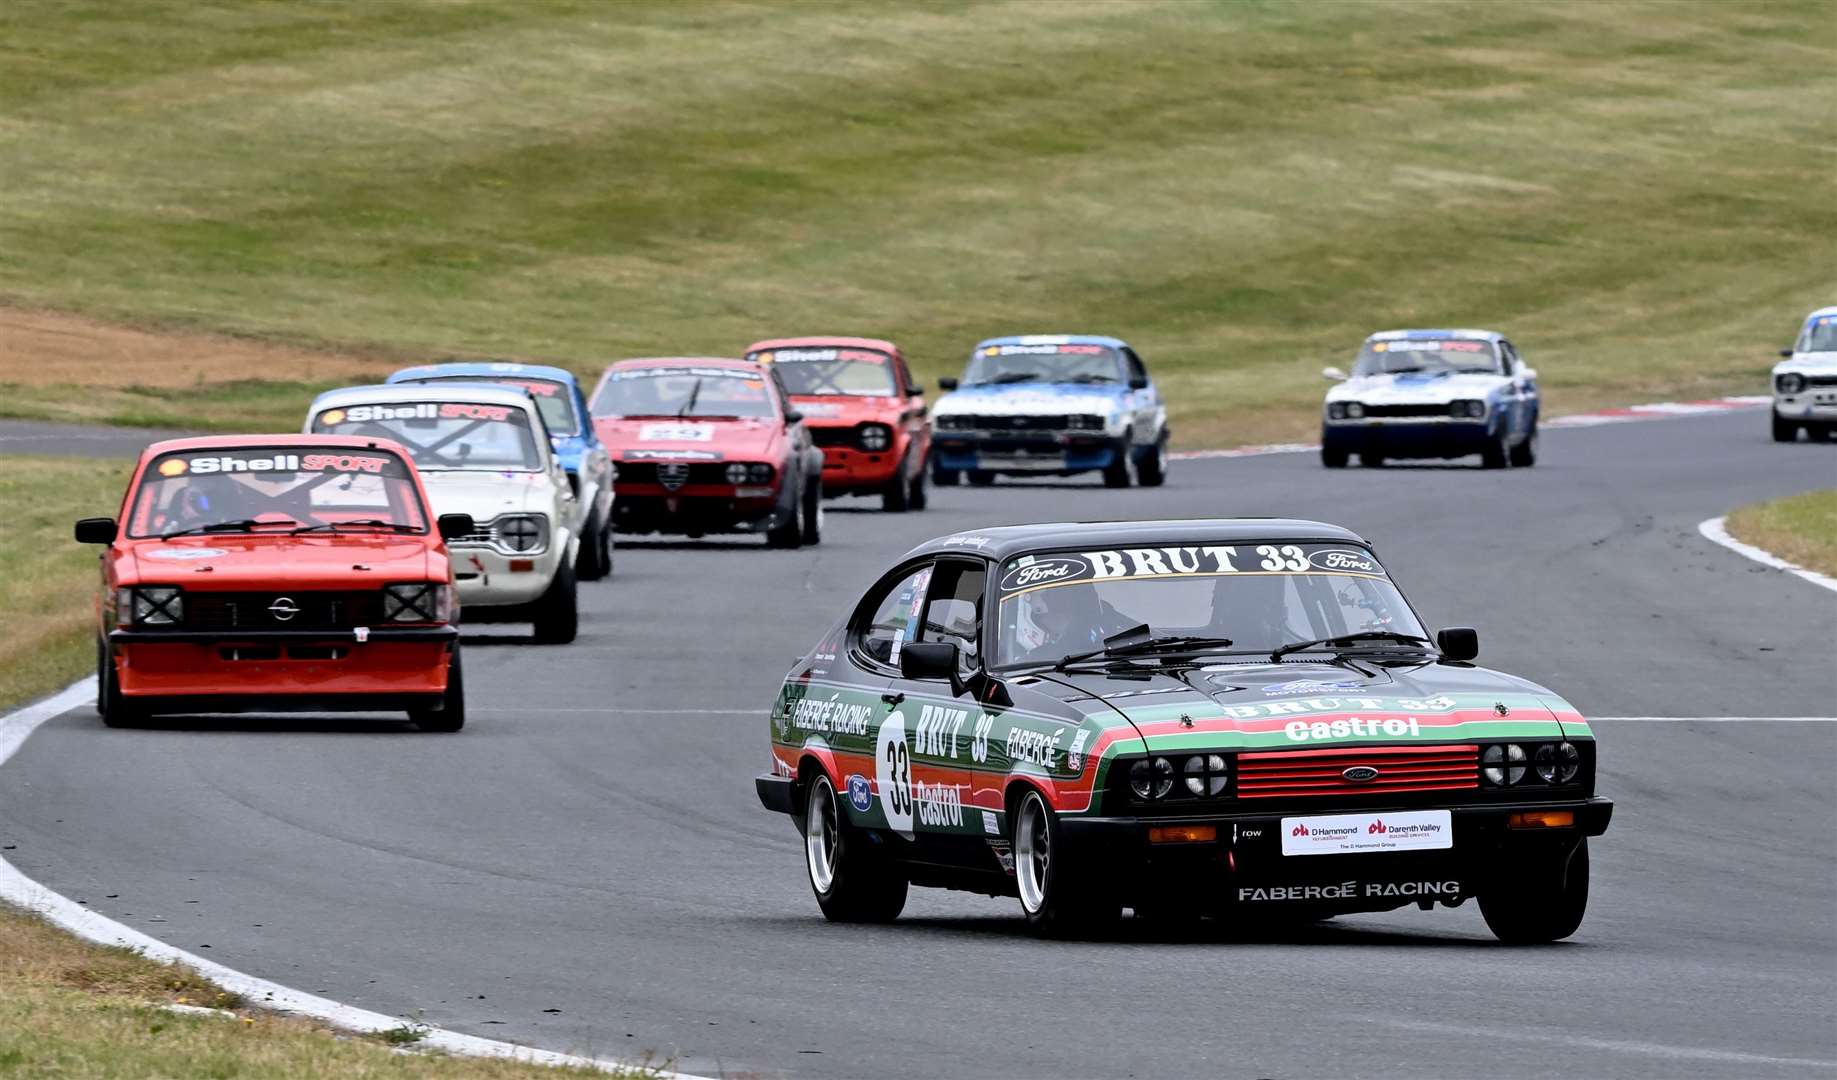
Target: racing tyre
<point>945,477</point>
<point>852,882</point>
<point>1334,459</point>
<point>557,615</point>
<point>1057,900</point>
<point>1152,471</point>
<point>1495,456</point>
<point>981,477</point>
<point>813,512</point>
<point>1784,430</point>
<point>896,496</point>
<point>1524,455</point>
<point>595,559</point>
<point>915,498</point>
<point>1540,901</point>
<point>791,533</point>
<point>450,713</point>
<point>1116,474</point>
<point>115,709</point>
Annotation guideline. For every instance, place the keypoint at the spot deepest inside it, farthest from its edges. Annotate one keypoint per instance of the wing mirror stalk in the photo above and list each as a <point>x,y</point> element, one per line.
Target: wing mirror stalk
<point>938,660</point>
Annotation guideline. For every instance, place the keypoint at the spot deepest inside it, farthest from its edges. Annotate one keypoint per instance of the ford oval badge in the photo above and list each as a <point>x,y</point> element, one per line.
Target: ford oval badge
<point>1359,774</point>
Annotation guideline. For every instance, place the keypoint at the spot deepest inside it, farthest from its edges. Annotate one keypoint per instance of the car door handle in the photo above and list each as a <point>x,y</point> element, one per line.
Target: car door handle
<point>893,699</point>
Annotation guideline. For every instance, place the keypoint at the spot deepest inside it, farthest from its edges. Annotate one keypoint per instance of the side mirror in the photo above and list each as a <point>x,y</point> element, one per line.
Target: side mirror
<point>792,416</point>
<point>1137,382</point>
<point>1333,374</point>
<point>1786,354</point>
<point>947,383</point>
<point>1527,373</point>
<point>96,531</point>
<point>930,660</point>
<point>454,526</point>
<point>914,390</point>
<point>1458,643</point>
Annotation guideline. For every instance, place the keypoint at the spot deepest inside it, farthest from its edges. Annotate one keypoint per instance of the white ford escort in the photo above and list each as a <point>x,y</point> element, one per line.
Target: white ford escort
<point>482,451</point>
<point>1805,382</point>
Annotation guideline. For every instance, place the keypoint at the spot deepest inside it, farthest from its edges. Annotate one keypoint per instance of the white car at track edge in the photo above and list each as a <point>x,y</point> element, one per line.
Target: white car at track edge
<point>482,451</point>
<point>1805,382</point>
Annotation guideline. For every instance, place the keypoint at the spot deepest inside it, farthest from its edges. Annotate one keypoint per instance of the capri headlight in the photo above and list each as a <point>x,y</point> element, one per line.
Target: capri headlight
<point>1336,411</point>
<point>1790,383</point>
<point>1502,765</point>
<point>874,437</point>
<point>1151,779</point>
<point>1355,411</point>
<point>1206,775</point>
<point>1568,762</point>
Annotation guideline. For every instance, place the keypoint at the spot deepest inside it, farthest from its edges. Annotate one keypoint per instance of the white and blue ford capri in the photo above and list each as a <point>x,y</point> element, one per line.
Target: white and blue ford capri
<point>1050,405</point>
<point>1432,394</point>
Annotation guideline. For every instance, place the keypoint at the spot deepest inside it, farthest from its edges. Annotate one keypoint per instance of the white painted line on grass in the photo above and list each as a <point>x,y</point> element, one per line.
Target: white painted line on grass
<point>66,913</point>
<point>1716,530</point>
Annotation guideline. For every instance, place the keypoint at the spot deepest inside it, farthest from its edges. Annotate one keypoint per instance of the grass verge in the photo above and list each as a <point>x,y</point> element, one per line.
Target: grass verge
<point>1636,192</point>
<point>72,1009</point>
<point>1801,529</point>
<point>47,628</point>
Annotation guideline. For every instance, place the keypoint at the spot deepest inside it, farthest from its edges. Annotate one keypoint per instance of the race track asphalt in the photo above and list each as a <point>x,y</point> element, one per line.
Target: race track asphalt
<point>587,868</point>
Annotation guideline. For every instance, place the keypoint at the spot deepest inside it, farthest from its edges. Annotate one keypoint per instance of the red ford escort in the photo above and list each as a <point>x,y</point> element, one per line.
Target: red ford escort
<point>257,573</point>
<point>863,409</point>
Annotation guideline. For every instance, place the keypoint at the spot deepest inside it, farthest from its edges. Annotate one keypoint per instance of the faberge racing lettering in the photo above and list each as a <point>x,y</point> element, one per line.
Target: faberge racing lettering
<point>1209,560</point>
<point>1348,890</point>
<point>1033,747</point>
<point>833,717</point>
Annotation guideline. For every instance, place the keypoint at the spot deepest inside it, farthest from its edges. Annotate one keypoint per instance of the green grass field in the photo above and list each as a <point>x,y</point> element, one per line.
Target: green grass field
<point>1639,193</point>
<point>1801,529</point>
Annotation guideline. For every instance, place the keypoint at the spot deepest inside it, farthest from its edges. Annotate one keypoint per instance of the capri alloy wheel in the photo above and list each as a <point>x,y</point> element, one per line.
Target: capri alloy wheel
<point>1032,853</point>
<point>850,872</point>
<point>820,836</point>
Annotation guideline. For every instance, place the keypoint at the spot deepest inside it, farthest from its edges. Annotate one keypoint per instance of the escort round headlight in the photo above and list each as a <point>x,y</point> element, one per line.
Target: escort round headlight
<point>759,472</point>
<point>874,437</point>
<point>1568,762</point>
<point>1336,411</point>
<point>1205,775</point>
<point>520,532</point>
<point>736,473</point>
<point>1790,383</point>
<point>1354,410</point>
<point>1502,766</point>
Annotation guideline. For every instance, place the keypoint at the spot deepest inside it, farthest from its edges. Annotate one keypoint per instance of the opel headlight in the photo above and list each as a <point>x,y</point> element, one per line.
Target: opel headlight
<point>1790,383</point>
<point>418,601</point>
<point>1336,411</point>
<point>151,605</point>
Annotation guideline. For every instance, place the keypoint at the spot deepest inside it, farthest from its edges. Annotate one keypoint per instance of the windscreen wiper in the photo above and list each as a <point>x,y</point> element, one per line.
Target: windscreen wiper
<point>1016,376</point>
<point>240,525</point>
<point>1137,641</point>
<point>1347,639</point>
<point>689,405</point>
<point>368,523</point>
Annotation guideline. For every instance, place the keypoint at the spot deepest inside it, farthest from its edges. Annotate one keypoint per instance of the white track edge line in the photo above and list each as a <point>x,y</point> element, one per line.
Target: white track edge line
<point>67,914</point>
<point>1716,531</point>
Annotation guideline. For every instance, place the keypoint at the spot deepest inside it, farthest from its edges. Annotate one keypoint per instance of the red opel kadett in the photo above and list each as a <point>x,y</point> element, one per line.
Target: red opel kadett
<point>863,408</point>
<point>257,573</point>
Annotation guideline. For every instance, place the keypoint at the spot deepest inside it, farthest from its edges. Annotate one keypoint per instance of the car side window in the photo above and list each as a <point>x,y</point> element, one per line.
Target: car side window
<point>894,620</point>
<point>954,611</point>
<point>1510,357</point>
<point>1136,370</point>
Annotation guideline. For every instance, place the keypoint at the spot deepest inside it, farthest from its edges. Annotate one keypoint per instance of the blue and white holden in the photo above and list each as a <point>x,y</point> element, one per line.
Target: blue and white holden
<point>1050,405</point>
<point>1432,394</point>
<point>1805,383</point>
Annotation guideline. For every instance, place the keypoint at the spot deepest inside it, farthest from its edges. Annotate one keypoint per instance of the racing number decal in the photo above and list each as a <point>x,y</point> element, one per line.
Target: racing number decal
<point>893,773</point>
<point>1287,557</point>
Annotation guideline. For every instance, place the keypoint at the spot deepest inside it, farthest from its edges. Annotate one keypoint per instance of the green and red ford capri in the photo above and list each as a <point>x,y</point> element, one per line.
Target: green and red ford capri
<point>1223,718</point>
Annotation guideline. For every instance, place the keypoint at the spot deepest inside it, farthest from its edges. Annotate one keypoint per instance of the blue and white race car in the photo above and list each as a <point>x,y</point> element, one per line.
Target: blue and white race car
<point>564,409</point>
<point>1432,394</point>
<point>1050,405</point>
<point>1805,382</point>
